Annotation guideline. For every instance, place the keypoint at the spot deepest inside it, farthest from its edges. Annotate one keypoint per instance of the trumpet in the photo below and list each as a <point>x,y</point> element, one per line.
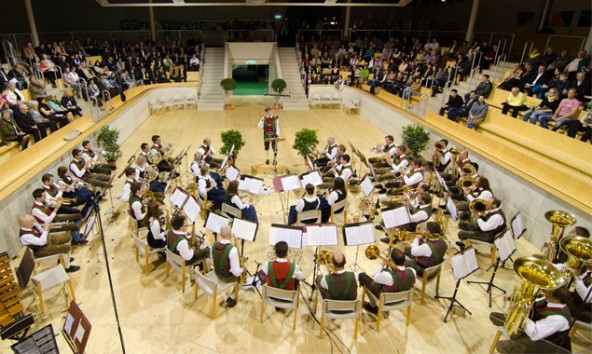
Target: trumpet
<point>326,258</point>
<point>372,252</point>
<point>479,207</point>
<point>67,201</point>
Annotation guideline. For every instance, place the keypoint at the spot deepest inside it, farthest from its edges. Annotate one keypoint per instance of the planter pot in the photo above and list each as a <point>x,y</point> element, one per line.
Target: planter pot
<point>112,163</point>
<point>228,106</point>
<point>277,106</point>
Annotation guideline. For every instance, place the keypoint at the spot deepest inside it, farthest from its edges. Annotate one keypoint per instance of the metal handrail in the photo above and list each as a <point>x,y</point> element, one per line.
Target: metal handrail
<point>501,49</point>
<point>7,51</point>
<point>95,108</point>
<point>105,100</point>
<point>498,64</point>
<point>423,107</point>
<point>526,45</point>
<point>472,77</point>
<point>448,86</point>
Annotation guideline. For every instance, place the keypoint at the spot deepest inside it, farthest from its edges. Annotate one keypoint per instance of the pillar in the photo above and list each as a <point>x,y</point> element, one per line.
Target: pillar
<point>32,26</point>
<point>588,44</point>
<point>472,20</point>
<point>545,14</point>
<point>346,23</point>
<point>151,20</point>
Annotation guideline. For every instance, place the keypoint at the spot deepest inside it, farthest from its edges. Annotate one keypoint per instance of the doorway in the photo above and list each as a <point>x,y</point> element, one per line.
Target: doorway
<point>251,80</point>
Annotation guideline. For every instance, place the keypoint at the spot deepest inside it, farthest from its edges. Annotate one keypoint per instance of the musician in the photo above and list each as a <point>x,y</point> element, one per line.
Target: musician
<point>399,161</point>
<point>137,209</point>
<point>561,257</point>
<point>80,168</point>
<point>165,164</point>
<point>232,198</point>
<point>420,211</point>
<point>207,185</point>
<point>46,215</point>
<point>337,194</point>
<point>44,244</point>
<point>426,252</point>
<point>344,169</point>
<point>388,280</point>
<point>339,285</point>
<point>442,157</point>
<point>53,193</point>
<point>271,129</point>
<point>144,151</point>
<point>412,176</point>
<point>545,329</point>
<point>74,188</point>
<point>156,186</point>
<point>130,178</point>
<point>157,236</point>
<point>461,160</point>
<point>309,201</point>
<point>389,149</point>
<point>207,151</point>
<point>328,154</point>
<point>480,190</point>
<point>582,294</point>
<point>178,243</point>
<point>281,273</point>
<point>226,261</point>
<point>92,157</point>
<point>486,227</point>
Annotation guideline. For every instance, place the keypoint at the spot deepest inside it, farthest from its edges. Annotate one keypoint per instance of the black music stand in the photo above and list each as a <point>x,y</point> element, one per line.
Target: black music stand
<point>315,269</point>
<point>490,284</point>
<point>460,277</point>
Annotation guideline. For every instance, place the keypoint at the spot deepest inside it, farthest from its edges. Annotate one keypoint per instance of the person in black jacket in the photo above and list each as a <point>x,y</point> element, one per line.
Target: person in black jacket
<point>483,89</point>
<point>455,101</point>
<point>27,124</point>
<point>538,80</point>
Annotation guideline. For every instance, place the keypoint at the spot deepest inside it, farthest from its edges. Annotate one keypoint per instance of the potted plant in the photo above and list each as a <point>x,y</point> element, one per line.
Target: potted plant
<point>229,138</point>
<point>305,140</point>
<point>228,85</point>
<point>107,140</point>
<point>416,138</point>
<point>278,86</point>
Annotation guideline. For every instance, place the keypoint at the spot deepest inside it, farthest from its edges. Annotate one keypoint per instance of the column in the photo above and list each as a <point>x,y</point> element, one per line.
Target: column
<point>588,44</point>
<point>151,19</point>
<point>32,26</point>
<point>346,23</point>
<point>472,20</point>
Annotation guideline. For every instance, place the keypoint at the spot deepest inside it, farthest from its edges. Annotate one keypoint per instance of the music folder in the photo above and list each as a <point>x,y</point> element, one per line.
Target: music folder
<point>226,158</point>
<point>319,235</point>
<point>232,173</point>
<point>41,341</point>
<point>292,235</point>
<point>313,177</point>
<point>309,163</point>
<point>244,229</point>
<point>395,217</point>
<point>451,207</point>
<point>367,185</point>
<point>518,228</point>
<point>186,202</point>
<point>76,328</point>
<point>464,263</point>
<point>215,221</point>
<point>286,183</point>
<point>356,234</point>
<point>250,184</point>
<point>505,245</point>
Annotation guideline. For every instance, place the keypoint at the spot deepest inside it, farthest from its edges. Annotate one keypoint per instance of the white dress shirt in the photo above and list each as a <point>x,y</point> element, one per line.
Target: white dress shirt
<point>549,325</point>
<point>420,215</point>
<point>29,238</point>
<point>308,198</point>
<point>492,223</point>
<point>239,203</point>
<point>37,213</point>
<point>484,195</point>
<point>400,166</point>
<point>345,173</point>
<point>183,246</point>
<point>422,250</point>
<point>127,190</point>
<point>137,210</point>
<point>385,277</point>
<point>416,177</point>
<point>157,232</point>
<point>76,171</point>
<point>49,200</point>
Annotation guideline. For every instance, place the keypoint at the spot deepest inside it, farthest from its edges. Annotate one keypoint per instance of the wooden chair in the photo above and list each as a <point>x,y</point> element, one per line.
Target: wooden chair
<point>178,263</point>
<point>342,205</point>
<point>231,212</point>
<point>491,245</point>
<point>391,301</point>
<point>133,225</point>
<point>577,325</point>
<point>339,310</point>
<point>280,298</point>
<point>315,101</point>
<point>213,288</point>
<point>190,101</point>
<point>429,274</point>
<point>155,106</point>
<point>309,217</point>
<point>336,100</point>
<point>352,105</point>
<point>326,101</point>
<point>50,279</point>
<point>142,249</point>
<point>178,102</point>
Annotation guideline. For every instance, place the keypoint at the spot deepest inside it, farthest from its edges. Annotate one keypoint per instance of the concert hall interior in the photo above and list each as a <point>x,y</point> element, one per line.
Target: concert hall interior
<point>469,231</point>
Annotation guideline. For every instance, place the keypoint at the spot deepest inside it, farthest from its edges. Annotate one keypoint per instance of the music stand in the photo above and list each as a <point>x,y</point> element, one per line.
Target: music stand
<point>286,184</point>
<point>464,263</point>
<point>357,234</point>
<point>505,249</point>
<point>318,235</point>
<point>76,328</point>
<point>42,342</point>
<point>245,230</point>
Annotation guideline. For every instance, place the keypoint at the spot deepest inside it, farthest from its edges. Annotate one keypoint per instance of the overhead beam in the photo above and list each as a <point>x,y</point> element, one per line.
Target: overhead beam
<point>103,3</point>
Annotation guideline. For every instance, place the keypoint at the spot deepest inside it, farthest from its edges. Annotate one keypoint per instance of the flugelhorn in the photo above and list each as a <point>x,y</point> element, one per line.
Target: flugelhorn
<point>578,250</point>
<point>326,258</point>
<point>372,252</point>
<point>559,220</point>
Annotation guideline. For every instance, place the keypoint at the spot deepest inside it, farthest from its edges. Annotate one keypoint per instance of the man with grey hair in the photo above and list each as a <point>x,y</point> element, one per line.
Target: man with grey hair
<point>226,261</point>
<point>27,124</point>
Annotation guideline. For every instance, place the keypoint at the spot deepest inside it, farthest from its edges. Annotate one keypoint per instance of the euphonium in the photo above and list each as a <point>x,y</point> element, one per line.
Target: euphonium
<point>468,169</point>
<point>395,191</point>
<point>455,151</point>
<point>326,258</point>
<point>535,273</point>
<point>466,182</point>
<point>372,252</point>
<point>167,149</point>
<point>559,220</point>
<point>479,207</point>
<point>404,235</point>
<point>578,250</point>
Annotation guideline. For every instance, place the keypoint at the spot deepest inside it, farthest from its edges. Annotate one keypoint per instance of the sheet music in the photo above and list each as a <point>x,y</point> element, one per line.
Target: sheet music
<point>505,245</point>
<point>215,221</point>
<point>245,230</point>
<point>309,163</point>
<point>451,207</point>
<point>79,335</point>
<point>395,217</point>
<point>313,177</point>
<point>320,235</point>
<point>518,226</point>
<point>464,263</point>
<point>250,184</point>
<point>69,323</point>
<point>232,173</point>
<point>367,185</point>
<point>191,208</point>
<point>290,182</point>
<point>224,162</point>
<point>178,197</point>
<point>439,177</point>
<point>358,234</point>
<point>373,172</point>
<point>290,235</point>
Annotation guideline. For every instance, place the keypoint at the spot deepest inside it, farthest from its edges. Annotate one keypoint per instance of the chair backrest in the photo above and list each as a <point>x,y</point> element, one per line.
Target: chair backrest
<point>268,292</point>
<point>326,96</point>
<point>396,300</point>
<point>342,309</point>
<point>432,271</point>
<point>25,268</point>
<point>206,282</point>
<point>339,206</point>
<point>140,245</point>
<point>337,97</point>
<point>174,260</point>
<point>51,278</point>
<point>310,216</point>
<point>231,212</point>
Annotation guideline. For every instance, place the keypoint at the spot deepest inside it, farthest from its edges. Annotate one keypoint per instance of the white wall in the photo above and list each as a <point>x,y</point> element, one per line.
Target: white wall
<point>516,194</point>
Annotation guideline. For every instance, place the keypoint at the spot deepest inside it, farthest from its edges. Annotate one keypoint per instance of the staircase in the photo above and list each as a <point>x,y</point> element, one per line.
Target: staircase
<point>291,74</point>
<point>211,95</point>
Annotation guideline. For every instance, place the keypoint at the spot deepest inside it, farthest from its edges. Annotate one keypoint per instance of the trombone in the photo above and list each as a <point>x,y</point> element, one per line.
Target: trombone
<point>372,252</point>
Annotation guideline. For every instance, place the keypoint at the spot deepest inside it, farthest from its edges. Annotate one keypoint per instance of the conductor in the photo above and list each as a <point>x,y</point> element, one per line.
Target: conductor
<point>271,130</point>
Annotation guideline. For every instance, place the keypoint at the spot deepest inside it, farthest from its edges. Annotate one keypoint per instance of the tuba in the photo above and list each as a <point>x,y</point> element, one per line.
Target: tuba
<point>559,220</point>
<point>578,250</point>
<point>468,169</point>
<point>438,147</point>
<point>479,207</point>
<point>372,252</point>
<point>535,273</point>
<point>326,258</point>
<point>466,182</point>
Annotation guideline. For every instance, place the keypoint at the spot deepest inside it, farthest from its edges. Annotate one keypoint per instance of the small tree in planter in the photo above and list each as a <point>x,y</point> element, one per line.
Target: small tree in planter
<point>107,140</point>
<point>278,86</point>
<point>228,85</point>
<point>416,138</point>
<point>305,140</point>
<point>229,138</point>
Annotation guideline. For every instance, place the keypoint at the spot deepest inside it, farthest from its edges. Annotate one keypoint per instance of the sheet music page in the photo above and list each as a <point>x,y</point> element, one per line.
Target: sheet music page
<point>191,208</point>
<point>178,197</point>
<point>367,186</point>
<point>243,229</point>
<point>292,236</point>
<point>464,264</point>
<point>517,226</point>
<point>168,185</point>
<point>69,323</point>
<point>290,182</point>
<point>309,163</point>
<point>224,162</point>
<point>396,217</point>
<point>215,221</point>
<point>358,234</point>
<point>313,177</point>
<point>451,207</point>
<point>320,235</point>
<point>277,184</point>
<point>255,185</point>
<point>439,177</point>
<point>244,184</point>
<point>505,245</point>
<point>79,335</point>
<point>232,173</point>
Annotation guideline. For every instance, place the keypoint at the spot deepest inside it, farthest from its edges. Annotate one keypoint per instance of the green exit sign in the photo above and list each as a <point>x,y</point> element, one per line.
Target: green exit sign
<point>250,62</point>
